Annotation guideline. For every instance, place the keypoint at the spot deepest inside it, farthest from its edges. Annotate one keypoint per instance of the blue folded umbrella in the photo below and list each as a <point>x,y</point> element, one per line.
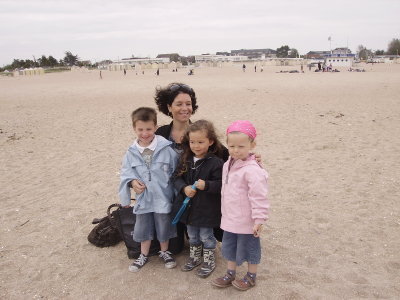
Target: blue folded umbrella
<point>183,207</point>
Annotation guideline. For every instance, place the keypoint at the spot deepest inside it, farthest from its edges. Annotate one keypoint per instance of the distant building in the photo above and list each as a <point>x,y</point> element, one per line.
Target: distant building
<point>223,53</point>
<point>147,60</point>
<point>85,62</point>
<point>341,51</point>
<point>317,54</point>
<point>322,54</point>
<point>218,58</point>
<point>340,57</point>
<point>171,56</point>
<point>255,53</point>
<point>386,59</point>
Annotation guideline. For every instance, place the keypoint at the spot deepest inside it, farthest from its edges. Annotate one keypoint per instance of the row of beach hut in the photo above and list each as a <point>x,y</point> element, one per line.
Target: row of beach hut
<point>143,66</point>
<point>28,72</point>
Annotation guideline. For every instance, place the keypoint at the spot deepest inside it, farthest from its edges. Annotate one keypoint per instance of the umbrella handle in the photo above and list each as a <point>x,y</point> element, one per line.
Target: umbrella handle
<point>183,207</point>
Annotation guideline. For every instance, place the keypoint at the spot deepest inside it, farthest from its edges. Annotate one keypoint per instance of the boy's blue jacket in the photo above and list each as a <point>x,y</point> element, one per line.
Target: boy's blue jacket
<point>159,192</point>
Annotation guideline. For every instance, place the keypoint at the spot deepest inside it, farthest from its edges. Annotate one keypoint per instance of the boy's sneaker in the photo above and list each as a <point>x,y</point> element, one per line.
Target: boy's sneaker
<point>138,263</point>
<point>169,261</point>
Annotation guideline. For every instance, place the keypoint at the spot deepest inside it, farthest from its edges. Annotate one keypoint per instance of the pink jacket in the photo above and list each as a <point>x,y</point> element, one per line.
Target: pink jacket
<point>244,196</point>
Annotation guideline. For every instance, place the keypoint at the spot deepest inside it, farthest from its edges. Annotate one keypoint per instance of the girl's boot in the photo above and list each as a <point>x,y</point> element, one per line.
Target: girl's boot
<point>194,258</point>
<point>208,265</point>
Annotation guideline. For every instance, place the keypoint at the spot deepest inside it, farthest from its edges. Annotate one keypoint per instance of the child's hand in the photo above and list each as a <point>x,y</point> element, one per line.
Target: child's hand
<point>201,184</point>
<point>189,191</point>
<point>138,186</point>
<point>257,228</point>
<point>258,159</point>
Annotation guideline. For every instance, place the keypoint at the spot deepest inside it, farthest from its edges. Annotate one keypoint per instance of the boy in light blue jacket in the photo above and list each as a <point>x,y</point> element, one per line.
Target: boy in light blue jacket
<point>149,162</point>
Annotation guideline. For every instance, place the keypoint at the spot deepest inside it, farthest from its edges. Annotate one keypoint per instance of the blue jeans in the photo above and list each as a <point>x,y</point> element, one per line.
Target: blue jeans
<point>198,235</point>
<point>241,247</point>
<point>150,223</point>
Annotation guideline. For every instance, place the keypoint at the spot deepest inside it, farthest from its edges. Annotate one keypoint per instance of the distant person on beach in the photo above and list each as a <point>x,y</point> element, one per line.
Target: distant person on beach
<point>319,66</point>
<point>124,72</point>
<point>262,69</point>
<point>255,68</point>
<point>158,72</point>
<point>301,68</point>
<point>244,206</point>
<point>101,77</point>
<point>200,162</point>
<point>149,162</point>
<point>244,68</point>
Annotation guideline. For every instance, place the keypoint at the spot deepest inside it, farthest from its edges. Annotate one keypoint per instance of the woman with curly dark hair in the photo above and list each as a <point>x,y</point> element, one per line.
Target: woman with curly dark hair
<point>179,102</point>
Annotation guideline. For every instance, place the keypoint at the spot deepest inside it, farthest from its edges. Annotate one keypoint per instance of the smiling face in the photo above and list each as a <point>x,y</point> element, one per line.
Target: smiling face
<point>145,131</point>
<point>239,145</point>
<point>199,143</point>
<point>181,108</point>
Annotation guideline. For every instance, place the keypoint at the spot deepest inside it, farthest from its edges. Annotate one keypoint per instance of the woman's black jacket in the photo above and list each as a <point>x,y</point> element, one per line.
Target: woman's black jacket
<point>204,209</point>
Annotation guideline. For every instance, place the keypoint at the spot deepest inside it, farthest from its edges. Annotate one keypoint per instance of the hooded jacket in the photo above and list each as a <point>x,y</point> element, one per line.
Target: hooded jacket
<point>159,192</point>
<point>244,200</point>
<point>204,209</point>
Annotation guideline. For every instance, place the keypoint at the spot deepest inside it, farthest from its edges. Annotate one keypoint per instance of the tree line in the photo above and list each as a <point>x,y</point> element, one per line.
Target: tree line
<point>44,62</point>
<point>393,49</point>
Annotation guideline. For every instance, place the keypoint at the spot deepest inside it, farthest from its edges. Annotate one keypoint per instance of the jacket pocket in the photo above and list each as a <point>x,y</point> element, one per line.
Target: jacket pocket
<point>141,169</point>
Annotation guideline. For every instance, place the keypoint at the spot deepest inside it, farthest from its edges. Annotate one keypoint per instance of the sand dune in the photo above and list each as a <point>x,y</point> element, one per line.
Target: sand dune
<point>330,142</point>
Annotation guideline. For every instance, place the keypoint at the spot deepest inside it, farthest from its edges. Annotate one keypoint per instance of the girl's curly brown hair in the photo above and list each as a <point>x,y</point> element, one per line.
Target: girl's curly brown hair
<point>165,96</point>
<point>216,148</point>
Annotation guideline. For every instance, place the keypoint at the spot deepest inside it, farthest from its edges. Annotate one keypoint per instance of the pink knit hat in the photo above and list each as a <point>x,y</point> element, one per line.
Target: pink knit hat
<point>242,126</point>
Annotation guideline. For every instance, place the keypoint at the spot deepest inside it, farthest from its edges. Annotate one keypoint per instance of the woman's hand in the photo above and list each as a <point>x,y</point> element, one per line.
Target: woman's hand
<point>201,184</point>
<point>138,186</point>
<point>189,191</point>
<point>258,159</point>
<point>257,228</point>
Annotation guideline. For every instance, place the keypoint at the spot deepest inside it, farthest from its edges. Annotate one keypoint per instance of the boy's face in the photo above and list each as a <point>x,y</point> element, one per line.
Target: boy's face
<point>239,145</point>
<point>145,131</point>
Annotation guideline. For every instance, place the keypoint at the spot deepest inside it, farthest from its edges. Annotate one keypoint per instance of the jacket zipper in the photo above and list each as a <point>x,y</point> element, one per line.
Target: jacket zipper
<point>229,169</point>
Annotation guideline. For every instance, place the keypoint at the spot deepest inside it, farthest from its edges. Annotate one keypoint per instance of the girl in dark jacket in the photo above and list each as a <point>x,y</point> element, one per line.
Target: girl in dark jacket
<point>200,161</point>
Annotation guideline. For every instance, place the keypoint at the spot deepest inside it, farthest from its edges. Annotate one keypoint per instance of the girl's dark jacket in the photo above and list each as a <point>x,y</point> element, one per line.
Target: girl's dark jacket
<point>204,209</point>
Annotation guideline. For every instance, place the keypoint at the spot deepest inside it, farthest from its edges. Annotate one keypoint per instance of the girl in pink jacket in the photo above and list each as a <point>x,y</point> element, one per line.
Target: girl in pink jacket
<point>244,206</point>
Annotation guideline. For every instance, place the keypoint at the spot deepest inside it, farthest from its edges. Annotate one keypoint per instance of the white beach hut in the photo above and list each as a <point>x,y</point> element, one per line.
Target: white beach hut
<point>339,61</point>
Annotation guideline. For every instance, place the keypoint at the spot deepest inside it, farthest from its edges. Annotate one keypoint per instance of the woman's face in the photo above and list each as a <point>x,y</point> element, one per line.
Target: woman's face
<point>181,108</point>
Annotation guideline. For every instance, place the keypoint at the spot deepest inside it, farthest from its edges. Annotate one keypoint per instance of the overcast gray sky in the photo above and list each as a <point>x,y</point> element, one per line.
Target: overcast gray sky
<point>98,30</point>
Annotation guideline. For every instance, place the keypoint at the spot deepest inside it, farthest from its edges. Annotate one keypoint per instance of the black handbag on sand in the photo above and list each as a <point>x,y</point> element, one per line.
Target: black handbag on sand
<point>105,233</point>
<point>125,221</point>
<point>118,226</point>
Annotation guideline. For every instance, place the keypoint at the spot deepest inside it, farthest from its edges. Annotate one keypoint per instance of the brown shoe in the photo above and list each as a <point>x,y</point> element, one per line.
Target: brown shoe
<point>244,284</point>
<point>223,281</point>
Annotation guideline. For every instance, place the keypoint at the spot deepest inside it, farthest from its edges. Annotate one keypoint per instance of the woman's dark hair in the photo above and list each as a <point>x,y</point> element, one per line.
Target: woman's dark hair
<point>216,148</point>
<point>165,96</point>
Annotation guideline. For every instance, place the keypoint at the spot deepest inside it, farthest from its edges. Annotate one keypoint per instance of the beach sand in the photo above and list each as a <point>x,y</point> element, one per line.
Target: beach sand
<point>330,142</point>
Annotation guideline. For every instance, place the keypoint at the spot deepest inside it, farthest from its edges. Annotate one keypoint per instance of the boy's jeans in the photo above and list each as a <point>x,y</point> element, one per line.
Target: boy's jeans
<point>197,235</point>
